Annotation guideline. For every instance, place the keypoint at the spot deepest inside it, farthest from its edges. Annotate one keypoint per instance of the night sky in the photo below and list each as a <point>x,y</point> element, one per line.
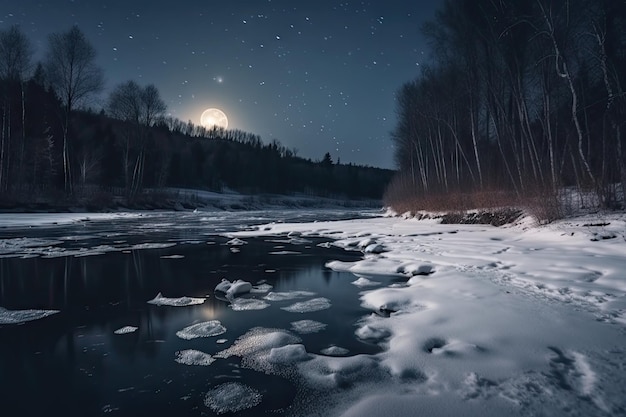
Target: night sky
<point>319,76</point>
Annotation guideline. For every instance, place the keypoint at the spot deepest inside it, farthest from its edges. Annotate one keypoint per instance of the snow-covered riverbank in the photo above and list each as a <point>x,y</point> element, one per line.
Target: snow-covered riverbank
<point>478,320</point>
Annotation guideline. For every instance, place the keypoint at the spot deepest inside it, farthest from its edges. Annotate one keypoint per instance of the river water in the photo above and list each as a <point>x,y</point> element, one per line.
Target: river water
<point>100,275</point>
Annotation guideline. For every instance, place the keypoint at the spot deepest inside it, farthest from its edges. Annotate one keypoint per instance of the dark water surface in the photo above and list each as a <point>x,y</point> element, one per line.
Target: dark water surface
<point>101,274</point>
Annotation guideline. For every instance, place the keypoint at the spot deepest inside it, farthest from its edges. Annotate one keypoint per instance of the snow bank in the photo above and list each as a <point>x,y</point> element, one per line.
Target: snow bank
<point>477,320</point>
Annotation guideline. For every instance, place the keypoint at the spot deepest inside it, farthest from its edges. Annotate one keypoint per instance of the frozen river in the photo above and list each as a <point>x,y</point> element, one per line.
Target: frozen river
<point>350,314</point>
<point>99,274</point>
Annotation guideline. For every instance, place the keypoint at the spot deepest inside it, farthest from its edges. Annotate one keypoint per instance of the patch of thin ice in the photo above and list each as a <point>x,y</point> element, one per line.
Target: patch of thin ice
<point>288,295</point>
<point>126,330</point>
<point>247,304</point>
<point>194,357</point>
<point>309,306</point>
<point>22,316</point>
<point>232,397</point>
<point>205,329</point>
<point>307,326</point>
<point>159,300</point>
<point>152,246</point>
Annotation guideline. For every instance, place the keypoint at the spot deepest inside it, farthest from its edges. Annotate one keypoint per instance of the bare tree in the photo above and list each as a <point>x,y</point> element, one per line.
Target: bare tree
<point>72,72</point>
<point>141,108</point>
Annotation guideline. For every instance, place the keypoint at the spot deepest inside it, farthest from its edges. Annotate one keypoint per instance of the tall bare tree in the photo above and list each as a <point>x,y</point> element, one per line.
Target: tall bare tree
<point>74,75</point>
<point>140,108</point>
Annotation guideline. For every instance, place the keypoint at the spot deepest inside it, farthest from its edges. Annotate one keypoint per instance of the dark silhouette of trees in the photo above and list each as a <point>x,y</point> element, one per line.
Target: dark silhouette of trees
<point>522,96</point>
<point>74,76</point>
<point>15,61</point>
<point>52,147</point>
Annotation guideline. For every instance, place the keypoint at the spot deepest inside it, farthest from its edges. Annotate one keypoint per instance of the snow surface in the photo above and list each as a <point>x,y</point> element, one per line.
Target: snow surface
<point>479,320</point>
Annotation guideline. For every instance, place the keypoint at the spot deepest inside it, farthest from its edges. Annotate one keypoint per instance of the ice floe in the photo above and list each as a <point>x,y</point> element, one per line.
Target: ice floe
<point>307,326</point>
<point>263,288</point>
<point>159,300</point>
<point>232,397</point>
<point>126,330</point>
<point>309,306</point>
<point>246,304</point>
<point>288,295</point>
<point>205,329</point>
<point>22,316</point>
<point>194,357</point>
<point>236,242</point>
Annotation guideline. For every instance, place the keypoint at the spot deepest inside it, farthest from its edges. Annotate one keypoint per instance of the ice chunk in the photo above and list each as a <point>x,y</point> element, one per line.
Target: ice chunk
<point>233,289</point>
<point>307,326</point>
<point>204,329</point>
<point>126,330</point>
<point>364,282</point>
<point>172,256</point>
<point>21,316</point>
<point>152,245</point>
<point>159,300</point>
<point>244,304</point>
<point>374,248</point>
<point>194,357</point>
<point>316,304</point>
<point>289,295</point>
<point>288,354</point>
<point>236,242</point>
<point>333,350</point>
<point>232,397</point>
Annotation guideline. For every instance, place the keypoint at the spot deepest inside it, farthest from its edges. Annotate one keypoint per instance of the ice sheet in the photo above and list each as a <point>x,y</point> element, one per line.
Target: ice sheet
<point>205,329</point>
<point>23,316</point>
<point>307,326</point>
<point>309,306</point>
<point>159,300</point>
<point>194,357</point>
<point>232,397</point>
<point>126,330</point>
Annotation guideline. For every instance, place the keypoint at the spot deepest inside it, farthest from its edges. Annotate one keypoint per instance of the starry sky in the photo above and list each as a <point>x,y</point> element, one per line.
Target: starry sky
<point>317,75</point>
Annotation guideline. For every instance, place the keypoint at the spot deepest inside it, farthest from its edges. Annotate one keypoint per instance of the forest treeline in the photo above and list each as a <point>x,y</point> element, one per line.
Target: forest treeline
<point>52,147</point>
<point>523,98</point>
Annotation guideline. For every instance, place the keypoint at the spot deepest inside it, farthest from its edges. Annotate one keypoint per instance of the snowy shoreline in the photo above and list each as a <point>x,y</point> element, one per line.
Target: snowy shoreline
<point>480,320</point>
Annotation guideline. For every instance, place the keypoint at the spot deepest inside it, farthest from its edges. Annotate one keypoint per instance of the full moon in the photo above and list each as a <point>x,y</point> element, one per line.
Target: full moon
<point>214,118</point>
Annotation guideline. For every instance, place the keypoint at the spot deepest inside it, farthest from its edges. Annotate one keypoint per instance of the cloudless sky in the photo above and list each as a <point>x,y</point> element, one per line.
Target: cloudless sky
<point>318,75</point>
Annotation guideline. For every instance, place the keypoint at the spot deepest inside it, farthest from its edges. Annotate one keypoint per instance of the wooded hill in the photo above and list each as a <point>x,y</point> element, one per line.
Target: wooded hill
<point>51,150</point>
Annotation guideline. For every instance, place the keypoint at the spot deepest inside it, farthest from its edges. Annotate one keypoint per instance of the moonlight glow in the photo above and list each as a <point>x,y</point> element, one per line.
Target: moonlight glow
<point>214,118</point>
